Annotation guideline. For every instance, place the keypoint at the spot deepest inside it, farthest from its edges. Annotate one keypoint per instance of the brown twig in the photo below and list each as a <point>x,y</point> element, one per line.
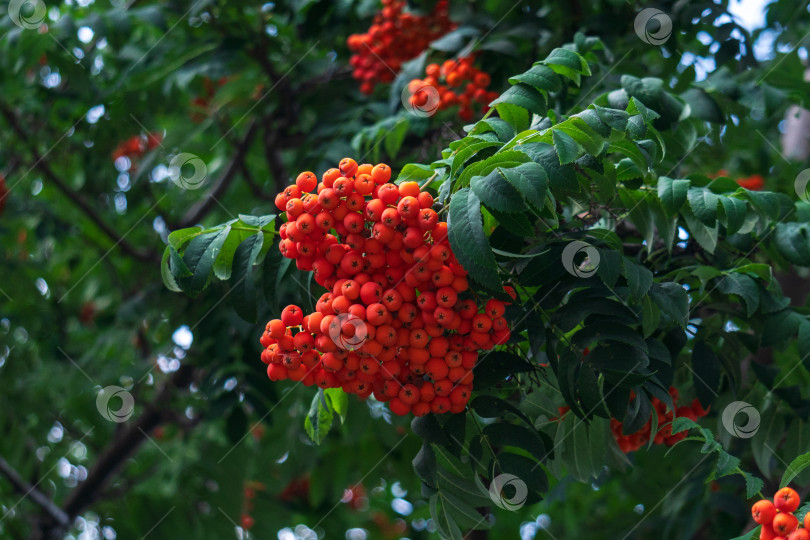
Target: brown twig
<point>127,441</point>
<point>42,165</point>
<point>32,493</point>
<point>201,208</point>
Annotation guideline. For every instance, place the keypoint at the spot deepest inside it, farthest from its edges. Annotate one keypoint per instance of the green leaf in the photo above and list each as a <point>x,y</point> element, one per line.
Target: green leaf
<point>396,136</point>
<point>704,205</point>
<point>523,96</point>
<point>734,213</point>
<point>464,514</point>
<point>496,192</point>
<point>673,301</point>
<point>493,407</point>
<point>166,271</point>
<point>744,287</point>
<point>672,194</point>
<point>429,429</point>
<point>338,401</point>
<point>761,270</point>
<point>467,490</point>
<point>705,236</point>
<point>796,466</point>
<point>500,127</point>
<point>792,240</point>
<point>650,316</point>
<point>517,117</point>
<point>566,147</point>
<point>526,470</point>
<point>244,288</point>
<point>318,420</point>
<point>224,262</point>
<point>635,106</point>
<point>615,118</point>
<point>180,237</point>
<point>503,434</point>
<point>199,257</point>
<point>639,279</point>
<point>753,485</point>
<point>446,525</point>
<point>540,77</point>
<point>468,240</point>
<point>531,181</point>
<point>703,106</point>
<point>766,439</point>
<point>494,367</point>
<point>578,454</point>
<point>455,40</point>
<point>424,464</point>
<point>610,266</point>
<point>568,64</point>
<point>413,172</point>
<point>601,331</point>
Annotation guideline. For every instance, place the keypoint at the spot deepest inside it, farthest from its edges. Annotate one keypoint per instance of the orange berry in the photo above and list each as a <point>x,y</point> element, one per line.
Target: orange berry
<point>763,512</point>
<point>784,523</point>
<point>348,167</point>
<point>786,500</point>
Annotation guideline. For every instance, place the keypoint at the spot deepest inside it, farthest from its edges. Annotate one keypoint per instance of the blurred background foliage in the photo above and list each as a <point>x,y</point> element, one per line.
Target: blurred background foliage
<point>260,92</point>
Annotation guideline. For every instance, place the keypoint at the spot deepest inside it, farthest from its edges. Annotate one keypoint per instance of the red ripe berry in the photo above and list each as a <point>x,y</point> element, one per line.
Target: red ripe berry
<point>388,194</point>
<point>495,308</point>
<point>292,316</point>
<point>786,500</point>
<point>307,181</point>
<point>398,407</point>
<point>381,173</point>
<point>427,219</point>
<point>348,167</point>
<point>440,405</point>
<point>784,523</point>
<point>799,534</point>
<point>763,511</point>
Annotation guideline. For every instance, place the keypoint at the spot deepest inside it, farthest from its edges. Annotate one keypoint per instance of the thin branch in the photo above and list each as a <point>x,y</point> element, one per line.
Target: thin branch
<point>76,198</point>
<point>23,487</point>
<point>201,208</point>
<point>127,441</point>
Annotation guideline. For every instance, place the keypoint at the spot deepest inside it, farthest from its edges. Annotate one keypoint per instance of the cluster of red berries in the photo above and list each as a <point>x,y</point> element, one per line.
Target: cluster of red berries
<point>250,490</point>
<point>395,36</point>
<point>469,82</point>
<point>3,193</point>
<point>777,518</point>
<point>136,146</point>
<point>634,441</point>
<point>393,321</point>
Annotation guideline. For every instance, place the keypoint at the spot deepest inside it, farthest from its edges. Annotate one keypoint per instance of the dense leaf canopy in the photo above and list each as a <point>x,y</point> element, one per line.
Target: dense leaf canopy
<point>640,180</point>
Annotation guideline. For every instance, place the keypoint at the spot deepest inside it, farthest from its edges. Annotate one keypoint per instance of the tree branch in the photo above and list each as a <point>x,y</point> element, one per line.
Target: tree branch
<point>31,492</point>
<point>124,445</point>
<point>76,198</point>
<point>201,208</point>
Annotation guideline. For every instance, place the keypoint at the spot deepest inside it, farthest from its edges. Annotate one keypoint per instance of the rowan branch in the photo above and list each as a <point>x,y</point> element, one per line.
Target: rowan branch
<point>42,165</point>
<point>126,443</point>
<point>32,493</point>
<point>201,208</point>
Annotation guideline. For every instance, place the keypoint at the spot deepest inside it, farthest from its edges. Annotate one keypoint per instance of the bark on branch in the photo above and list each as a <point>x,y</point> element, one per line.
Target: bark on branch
<point>32,493</point>
<point>201,208</point>
<point>42,165</point>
